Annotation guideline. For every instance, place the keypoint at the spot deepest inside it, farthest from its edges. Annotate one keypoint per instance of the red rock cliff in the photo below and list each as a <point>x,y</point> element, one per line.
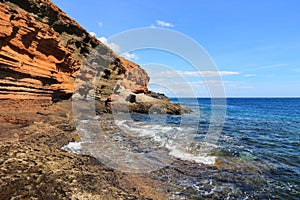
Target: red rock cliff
<point>42,49</point>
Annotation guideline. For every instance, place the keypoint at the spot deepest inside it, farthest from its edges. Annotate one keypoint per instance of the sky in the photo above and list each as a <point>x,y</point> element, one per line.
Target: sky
<point>255,44</point>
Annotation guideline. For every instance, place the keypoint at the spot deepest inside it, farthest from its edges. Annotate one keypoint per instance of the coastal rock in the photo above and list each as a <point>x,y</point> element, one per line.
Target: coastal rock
<point>42,50</point>
<point>121,73</point>
<point>136,79</point>
<point>33,166</point>
<point>37,62</point>
<point>43,53</point>
<point>124,100</point>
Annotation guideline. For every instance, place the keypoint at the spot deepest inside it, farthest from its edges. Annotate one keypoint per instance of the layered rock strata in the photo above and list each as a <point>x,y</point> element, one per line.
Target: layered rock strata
<point>43,52</point>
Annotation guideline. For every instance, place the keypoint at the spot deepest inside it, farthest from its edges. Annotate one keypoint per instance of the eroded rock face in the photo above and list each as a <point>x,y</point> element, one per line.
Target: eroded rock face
<point>136,78</point>
<point>36,62</point>
<point>122,72</point>
<point>45,56</point>
<point>42,49</point>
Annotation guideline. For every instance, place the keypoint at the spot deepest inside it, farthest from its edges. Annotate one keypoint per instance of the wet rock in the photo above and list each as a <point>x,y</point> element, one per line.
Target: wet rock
<point>35,167</point>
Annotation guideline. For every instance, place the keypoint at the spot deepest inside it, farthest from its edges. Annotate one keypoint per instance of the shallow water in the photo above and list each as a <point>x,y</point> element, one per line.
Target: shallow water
<point>255,156</point>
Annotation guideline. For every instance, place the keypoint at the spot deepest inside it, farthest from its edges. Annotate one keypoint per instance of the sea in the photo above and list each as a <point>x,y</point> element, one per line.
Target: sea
<point>234,148</point>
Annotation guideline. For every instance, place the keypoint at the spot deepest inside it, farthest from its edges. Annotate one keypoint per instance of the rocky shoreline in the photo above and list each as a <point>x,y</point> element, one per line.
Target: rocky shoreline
<point>33,165</point>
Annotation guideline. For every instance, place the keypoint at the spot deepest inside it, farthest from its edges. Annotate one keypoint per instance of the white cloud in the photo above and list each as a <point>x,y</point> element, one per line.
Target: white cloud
<point>171,73</point>
<point>164,24</point>
<point>199,88</point>
<point>104,40</point>
<point>170,87</point>
<point>100,24</point>
<point>130,56</point>
<point>249,75</point>
<point>177,83</point>
<point>92,34</point>
<point>210,73</point>
<point>112,45</point>
<point>116,48</point>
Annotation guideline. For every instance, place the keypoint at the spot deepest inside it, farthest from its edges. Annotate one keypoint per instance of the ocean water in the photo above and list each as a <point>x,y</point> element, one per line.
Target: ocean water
<point>253,154</point>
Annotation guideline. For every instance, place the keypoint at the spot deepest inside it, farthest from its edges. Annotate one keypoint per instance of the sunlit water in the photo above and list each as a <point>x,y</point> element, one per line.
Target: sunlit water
<point>256,155</point>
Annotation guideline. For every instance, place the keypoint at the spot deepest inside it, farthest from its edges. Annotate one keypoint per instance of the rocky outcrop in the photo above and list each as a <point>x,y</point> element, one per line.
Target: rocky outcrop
<point>124,100</point>
<point>42,50</point>
<point>43,53</point>
<point>121,72</point>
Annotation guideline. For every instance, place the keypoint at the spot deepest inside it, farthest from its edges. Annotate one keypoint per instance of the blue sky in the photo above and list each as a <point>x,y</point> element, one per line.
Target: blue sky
<point>255,44</point>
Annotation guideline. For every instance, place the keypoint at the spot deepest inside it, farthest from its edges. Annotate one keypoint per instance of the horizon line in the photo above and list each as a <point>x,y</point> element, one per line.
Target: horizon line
<point>270,97</point>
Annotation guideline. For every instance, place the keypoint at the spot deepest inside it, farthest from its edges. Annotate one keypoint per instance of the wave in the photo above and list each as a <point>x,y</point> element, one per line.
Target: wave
<point>178,140</point>
<point>140,138</point>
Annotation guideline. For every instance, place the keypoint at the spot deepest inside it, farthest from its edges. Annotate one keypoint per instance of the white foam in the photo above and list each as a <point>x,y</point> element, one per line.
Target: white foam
<point>204,159</point>
<point>163,134</point>
<point>176,139</point>
<point>142,129</point>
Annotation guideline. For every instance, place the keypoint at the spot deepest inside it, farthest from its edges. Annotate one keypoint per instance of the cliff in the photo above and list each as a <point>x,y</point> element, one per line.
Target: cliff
<point>37,61</point>
<point>42,51</point>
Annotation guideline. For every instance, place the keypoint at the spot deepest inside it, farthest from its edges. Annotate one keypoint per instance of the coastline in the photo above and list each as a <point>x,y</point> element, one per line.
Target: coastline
<point>33,165</point>
<point>78,121</point>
